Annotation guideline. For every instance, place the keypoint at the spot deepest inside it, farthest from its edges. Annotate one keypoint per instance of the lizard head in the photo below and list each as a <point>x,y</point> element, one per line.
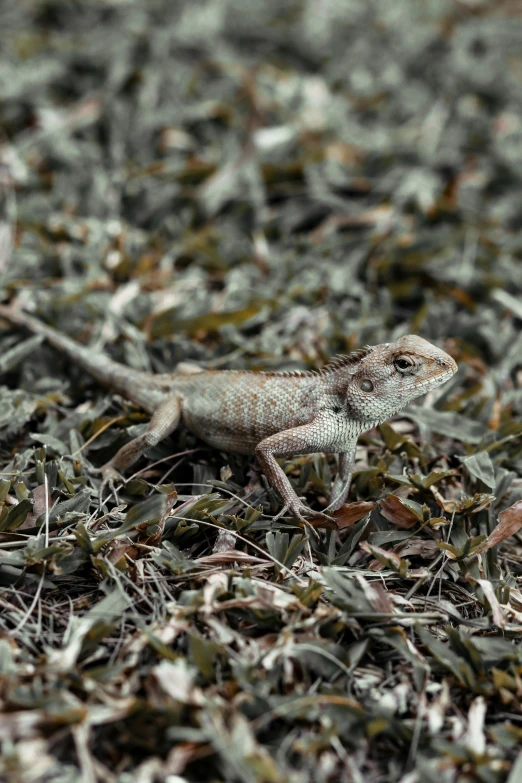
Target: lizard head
<point>387,377</point>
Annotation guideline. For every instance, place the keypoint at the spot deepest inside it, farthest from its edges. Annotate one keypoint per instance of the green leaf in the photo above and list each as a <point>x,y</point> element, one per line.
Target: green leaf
<point>137,487</point>
<point>57,445</point>
<point>5,486</point>
<point>392,439</point>
<point>150,509</point>
<point>21,491</point>
<point>17,354</point>
<point>201,507</point>
<point>283,549</point>
<point>203,654</point>
<point>515,776</point>
<point>434,477</point>
<point>448,423</point>
<point>109,608</point>
<point>167,322</point>
<point>171,557</point>
<point>16,516</point>
<point>65,481</point>
<point>480,466</point>
<point>449,548</point>
<point>416,508</point>
<point>70,507</point>
<point>83,538</point>
<point>449,659</point>
<point>351,541</point>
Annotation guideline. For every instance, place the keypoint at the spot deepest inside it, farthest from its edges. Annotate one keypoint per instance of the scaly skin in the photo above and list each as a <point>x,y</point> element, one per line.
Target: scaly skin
<point>264,413</point>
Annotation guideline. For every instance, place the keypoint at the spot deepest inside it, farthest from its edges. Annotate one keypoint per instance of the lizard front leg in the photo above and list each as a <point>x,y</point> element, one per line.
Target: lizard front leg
<point>299,440</point>
<point>341,485</point>
<point>164,421</point>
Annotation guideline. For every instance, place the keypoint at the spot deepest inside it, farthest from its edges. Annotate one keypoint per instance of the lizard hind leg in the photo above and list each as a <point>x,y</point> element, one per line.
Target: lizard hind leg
<point>164,421</point>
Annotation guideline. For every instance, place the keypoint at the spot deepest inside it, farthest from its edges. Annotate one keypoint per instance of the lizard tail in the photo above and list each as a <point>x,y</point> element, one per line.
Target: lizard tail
<point>133,385</point>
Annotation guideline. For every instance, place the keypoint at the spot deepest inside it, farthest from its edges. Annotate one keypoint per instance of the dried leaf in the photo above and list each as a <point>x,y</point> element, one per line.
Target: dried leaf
<point>509,522</point>
<point>351,513</point>
<point>398,513</point>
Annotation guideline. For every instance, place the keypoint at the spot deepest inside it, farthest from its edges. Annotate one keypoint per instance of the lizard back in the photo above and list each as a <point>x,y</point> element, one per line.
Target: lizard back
<point>235,410</point>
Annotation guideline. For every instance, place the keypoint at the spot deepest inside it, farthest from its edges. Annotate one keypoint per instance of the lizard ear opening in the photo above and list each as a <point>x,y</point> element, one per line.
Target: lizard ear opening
<point>367,385</point>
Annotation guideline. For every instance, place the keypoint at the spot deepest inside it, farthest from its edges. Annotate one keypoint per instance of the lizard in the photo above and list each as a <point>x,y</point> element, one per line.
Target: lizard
<point>266,413</point>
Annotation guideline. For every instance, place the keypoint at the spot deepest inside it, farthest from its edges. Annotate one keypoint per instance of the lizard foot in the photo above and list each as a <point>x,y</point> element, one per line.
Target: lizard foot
<point>301,512</point>
<point>110,477</point>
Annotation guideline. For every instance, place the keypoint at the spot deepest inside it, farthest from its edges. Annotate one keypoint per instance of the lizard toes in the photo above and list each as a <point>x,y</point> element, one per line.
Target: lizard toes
<point>110,477</point>
<point>298,510</point>
<point>302,512</point>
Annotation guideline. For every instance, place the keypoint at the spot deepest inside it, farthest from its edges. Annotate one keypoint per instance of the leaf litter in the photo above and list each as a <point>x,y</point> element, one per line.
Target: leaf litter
<point>240,185</point>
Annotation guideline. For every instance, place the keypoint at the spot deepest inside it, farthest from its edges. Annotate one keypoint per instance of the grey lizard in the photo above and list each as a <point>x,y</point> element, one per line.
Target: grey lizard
<point>268,414</point>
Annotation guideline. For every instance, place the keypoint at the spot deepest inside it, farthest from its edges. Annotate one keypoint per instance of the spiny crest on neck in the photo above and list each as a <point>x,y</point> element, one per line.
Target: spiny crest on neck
<point>335,364</point>
<point>341,361</point>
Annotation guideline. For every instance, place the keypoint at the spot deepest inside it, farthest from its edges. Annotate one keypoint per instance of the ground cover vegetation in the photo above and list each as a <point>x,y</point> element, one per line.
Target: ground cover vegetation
<point>260,185</point>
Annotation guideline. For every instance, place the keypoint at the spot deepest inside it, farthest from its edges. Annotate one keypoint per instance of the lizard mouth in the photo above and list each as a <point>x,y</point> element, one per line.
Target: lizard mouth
<point>448,368</point>
<point>439,378</point>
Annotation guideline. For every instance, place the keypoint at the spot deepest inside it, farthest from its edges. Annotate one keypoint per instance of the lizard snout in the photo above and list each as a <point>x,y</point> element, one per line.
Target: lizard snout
<point>446,362</point>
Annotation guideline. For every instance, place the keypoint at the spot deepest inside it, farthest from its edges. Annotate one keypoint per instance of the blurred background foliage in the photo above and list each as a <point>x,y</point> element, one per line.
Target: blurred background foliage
<point>314,175</point>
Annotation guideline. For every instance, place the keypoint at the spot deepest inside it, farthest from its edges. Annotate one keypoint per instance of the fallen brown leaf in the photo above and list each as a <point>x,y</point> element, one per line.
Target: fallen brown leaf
<point>377,596</point>
<point>384,557</point>
<point>421,547</point>
<point>351,513</point>
<point>397,513</point>
<point>509,521</point>
<point>41,503</point>
<point>346,516</point>
<point>496,610</point>
<point>231,556</point>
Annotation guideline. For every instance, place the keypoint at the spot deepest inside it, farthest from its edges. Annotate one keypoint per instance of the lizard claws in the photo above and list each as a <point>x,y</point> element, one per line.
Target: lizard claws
<point>301,511</point>
<point>110,477</point>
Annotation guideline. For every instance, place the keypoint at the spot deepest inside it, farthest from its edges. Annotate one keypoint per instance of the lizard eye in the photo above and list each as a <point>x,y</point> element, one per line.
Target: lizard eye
<point>403,364</point>
<point>367,385</point>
